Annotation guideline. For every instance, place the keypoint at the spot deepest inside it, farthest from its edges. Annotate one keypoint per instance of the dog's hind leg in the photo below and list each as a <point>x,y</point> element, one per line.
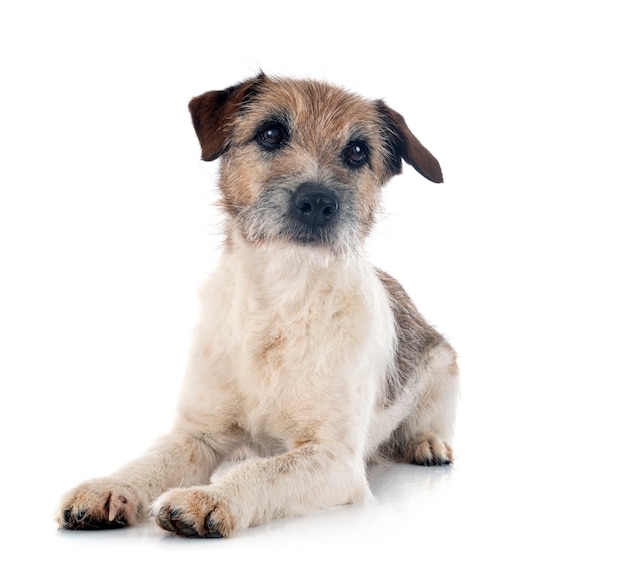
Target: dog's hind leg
<point>424,436</point>
<point>423,384</point>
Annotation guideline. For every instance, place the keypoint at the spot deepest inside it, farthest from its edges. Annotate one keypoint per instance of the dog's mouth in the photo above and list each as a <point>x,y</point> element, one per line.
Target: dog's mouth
<point>317,216</point>
<point>309,215</point>
<point>302,234</point>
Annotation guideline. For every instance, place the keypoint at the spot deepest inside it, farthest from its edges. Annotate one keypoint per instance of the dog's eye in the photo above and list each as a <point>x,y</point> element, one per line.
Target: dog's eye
<point>356,154</point>
<point>271,136</point>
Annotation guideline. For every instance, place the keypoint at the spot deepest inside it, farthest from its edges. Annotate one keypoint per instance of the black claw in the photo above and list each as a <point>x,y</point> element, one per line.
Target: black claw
<point>431,462</point>
<point>93,524</point>
<point>170,521</point>
<point>213,532</point>
<point>165,523</point>
<point>185,529</point>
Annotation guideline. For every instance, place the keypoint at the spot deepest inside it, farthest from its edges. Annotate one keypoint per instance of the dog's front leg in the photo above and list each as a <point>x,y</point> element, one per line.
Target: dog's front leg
<point>179,459</point>
<point>310,477</point>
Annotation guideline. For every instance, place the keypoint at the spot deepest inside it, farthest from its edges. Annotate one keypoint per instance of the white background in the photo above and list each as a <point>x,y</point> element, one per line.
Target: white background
<point>107,228</point>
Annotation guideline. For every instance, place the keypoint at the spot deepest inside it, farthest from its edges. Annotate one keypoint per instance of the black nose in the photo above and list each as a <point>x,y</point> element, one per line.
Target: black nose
<point>315,205</point>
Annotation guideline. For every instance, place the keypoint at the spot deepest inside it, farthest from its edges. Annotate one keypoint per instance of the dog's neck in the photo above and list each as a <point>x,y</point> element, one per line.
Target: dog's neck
<point>288,271</point>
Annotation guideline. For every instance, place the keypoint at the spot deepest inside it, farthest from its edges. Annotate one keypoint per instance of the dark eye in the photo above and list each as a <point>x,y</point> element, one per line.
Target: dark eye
<point>356,154</point>
<point>271,136</point>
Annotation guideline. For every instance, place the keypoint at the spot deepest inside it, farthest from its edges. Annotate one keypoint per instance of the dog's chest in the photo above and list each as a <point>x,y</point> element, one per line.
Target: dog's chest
<point>300,337</point>
<point>296,333</point>
<point>285,348</point>
<point>296,364</point>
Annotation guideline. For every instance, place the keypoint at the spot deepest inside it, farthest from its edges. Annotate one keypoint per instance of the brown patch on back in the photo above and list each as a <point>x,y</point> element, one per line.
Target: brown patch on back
<point>415,337</point>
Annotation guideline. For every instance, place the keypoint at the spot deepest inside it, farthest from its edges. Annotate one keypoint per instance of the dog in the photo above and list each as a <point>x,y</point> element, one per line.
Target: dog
<point>304,352</point>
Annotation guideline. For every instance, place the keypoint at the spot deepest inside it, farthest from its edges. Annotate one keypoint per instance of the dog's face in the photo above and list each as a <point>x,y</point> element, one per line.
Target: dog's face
<point>302,161</point>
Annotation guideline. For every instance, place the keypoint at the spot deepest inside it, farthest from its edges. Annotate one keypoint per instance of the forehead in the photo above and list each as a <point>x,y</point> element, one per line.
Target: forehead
<point>312,107</point>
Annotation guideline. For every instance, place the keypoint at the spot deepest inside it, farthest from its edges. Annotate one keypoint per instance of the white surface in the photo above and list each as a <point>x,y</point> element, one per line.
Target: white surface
<point>106,228</point>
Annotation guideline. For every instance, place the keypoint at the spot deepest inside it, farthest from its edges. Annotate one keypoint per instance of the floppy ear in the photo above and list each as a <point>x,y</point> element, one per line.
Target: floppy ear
<point>212,114</point>
<point>405,145</point>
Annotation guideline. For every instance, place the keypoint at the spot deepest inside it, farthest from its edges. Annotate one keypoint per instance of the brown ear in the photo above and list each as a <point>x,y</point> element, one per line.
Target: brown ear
<point>212,115</point>
<point>406,145</point>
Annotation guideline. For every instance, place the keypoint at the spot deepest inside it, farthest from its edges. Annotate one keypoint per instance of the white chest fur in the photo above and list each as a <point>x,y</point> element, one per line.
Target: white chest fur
<point>289,343</point>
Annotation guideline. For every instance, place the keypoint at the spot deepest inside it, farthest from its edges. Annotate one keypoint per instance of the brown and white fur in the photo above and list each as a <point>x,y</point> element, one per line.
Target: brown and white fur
<point>304,352</point>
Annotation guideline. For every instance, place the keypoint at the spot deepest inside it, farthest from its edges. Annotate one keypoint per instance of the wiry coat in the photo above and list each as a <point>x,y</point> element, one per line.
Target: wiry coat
<point>304,352</point>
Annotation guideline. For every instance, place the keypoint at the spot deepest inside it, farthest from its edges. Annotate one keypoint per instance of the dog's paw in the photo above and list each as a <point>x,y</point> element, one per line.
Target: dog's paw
<point>429,450</point>
<point>194,512</point>
<point>97,504</point>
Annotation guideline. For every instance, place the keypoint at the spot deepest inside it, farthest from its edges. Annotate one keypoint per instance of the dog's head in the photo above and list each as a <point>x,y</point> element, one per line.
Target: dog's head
<point>303,161</point>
